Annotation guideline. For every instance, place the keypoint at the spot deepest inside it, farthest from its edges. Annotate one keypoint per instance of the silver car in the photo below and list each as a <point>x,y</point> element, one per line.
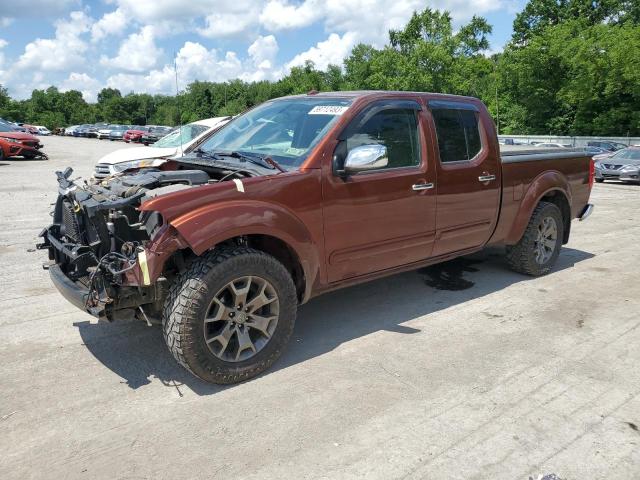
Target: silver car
<point>622,165</point>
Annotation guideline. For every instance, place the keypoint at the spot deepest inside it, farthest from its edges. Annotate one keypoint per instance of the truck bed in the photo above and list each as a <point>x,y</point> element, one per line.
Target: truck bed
<point>526,169</point>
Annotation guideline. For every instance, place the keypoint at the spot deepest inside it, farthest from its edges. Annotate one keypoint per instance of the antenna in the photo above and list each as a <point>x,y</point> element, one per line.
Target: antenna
<point>175,68</point>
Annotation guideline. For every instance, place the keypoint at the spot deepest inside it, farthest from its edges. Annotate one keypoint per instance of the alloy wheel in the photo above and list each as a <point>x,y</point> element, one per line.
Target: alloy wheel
<point>546,240</point>
<point>241,318</point>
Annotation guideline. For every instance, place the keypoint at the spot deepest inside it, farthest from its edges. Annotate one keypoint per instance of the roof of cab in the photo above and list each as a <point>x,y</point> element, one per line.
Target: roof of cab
<point>374,93</point>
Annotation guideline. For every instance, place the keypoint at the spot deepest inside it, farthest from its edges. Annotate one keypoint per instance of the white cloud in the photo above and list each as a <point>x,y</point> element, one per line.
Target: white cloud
<point>194,62</point>
<point>113,23</point>
<point>222,24</point>
<point>88,86</point>
<point>137,53</point>
<point>5,21</point>
<point>263,49</point>
<point>331,51</point>
<point>62,52</point>
<point>280,15</point>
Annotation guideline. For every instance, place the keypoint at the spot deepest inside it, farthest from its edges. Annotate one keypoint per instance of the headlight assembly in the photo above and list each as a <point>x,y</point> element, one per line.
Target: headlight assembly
<point>148,162</point>
<point>11,140</point>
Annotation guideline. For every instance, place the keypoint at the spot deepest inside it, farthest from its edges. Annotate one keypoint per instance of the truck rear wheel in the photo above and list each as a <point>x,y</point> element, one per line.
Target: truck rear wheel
<point>538,249</point>
<point>230,315</point>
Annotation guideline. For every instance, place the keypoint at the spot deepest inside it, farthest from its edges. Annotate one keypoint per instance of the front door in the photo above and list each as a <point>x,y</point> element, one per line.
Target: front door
<point>386,217</point>
<point>469,177</point>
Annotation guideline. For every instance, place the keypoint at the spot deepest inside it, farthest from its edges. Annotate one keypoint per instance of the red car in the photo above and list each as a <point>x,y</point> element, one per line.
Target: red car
<point>135,134</point>
<point>18,144</point>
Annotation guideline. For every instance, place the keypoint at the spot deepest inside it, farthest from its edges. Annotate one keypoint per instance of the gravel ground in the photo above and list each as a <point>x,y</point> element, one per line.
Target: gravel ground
<point>460,371</point>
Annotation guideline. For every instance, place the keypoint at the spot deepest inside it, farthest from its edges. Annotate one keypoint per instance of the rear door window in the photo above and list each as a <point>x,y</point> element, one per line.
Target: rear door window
<point>458,133</point>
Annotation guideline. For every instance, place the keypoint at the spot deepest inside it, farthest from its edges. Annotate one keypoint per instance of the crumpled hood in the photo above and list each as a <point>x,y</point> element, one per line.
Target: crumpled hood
<point>19,136</point>
<point>137,153</point>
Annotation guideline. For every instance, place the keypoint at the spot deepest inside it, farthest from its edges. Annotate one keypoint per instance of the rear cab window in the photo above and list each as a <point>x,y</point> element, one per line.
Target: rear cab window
<point>457,130</point>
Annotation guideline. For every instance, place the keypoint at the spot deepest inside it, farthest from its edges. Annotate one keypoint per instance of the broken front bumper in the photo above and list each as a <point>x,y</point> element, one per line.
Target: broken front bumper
<point>76,293</point>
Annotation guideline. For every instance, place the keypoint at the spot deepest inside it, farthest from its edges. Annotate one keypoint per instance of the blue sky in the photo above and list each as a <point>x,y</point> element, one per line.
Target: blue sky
<point>130,44</point>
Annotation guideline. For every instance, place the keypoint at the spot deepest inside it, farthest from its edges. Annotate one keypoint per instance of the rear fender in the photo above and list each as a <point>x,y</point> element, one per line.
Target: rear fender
<point>542,185</point>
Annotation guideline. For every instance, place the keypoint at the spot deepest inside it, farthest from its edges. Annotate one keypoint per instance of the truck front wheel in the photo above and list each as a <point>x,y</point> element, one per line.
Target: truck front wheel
<point>538,249</point>
<point>229,316</point>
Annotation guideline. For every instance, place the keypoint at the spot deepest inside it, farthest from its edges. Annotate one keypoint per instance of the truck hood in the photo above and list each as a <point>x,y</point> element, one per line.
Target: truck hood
<point>137,153</point>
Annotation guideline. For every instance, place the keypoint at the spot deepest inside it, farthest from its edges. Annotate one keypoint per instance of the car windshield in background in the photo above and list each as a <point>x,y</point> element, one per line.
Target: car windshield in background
<point>6,128</point>
<point>628,154</point>
<point>285,130</point>
<point>181,135</point>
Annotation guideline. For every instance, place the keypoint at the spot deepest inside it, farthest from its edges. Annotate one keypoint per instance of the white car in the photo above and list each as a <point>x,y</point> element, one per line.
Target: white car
<point>177,143</point>
<point>105,131</point>
<point>44,131</point>
<point>69,130</point>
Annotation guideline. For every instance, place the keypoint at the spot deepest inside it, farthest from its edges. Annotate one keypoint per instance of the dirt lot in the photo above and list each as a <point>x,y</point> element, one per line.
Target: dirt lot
<point>462,371</point>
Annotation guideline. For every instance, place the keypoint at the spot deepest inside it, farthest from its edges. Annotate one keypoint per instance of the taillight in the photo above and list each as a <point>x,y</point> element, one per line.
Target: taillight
<point>592,172</point>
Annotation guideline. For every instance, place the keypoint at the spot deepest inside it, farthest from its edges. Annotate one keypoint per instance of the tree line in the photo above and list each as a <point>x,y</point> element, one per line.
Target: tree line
<point>571,68</point>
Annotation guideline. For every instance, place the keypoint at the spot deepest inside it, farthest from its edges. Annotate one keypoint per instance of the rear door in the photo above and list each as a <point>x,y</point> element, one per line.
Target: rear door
<point>468,172</point>
<point>383,218</point>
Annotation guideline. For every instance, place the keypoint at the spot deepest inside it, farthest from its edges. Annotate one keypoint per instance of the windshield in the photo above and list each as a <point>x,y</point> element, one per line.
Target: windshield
<point>181,135</point>
<point>628,153</point>
<point>285,130</point>
<point>6,128</point>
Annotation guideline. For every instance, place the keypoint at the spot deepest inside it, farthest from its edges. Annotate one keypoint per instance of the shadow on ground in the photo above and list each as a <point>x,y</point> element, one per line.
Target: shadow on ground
<point>137,353</point>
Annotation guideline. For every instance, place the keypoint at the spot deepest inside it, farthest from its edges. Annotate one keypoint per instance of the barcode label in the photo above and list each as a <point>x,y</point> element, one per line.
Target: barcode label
<point>328,110</point>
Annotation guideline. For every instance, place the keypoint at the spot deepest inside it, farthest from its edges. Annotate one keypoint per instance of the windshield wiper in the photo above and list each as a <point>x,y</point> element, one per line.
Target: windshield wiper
<point>266,162</point>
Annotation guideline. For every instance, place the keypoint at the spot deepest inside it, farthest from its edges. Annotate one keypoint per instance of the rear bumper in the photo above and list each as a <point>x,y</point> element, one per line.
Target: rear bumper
<point>586,212</point>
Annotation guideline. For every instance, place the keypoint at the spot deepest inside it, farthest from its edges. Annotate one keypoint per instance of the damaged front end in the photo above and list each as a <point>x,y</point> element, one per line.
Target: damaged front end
<point>107,257</point>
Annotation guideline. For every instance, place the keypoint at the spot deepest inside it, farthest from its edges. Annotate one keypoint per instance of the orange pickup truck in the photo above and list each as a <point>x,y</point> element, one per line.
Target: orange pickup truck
<point>296,197</point>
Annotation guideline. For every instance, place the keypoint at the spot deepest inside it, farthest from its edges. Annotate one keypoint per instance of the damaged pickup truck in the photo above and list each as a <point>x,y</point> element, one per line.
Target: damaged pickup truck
<point>296,197</point>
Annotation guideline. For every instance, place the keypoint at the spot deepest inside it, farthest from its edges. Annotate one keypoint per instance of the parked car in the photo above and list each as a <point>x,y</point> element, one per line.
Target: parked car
<point>18,144</point>
<point>181,141</point>
<point>595,150</point>
<point>117,133</point>
<point>607,145</point>
<point>106,130</point>
<point>622,165</point>
<point>296,197</point>
<point>69,130</point>
<point>81,130</point>
<point>550,145</point>
<point>32,129</point>
<point>134,134</point>
<point>154,134</point>
<point>92,131</point>
<point>44,131</point>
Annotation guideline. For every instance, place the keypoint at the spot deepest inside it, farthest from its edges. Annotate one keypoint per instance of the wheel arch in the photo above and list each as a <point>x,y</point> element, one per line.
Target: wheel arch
<point>550,186</point>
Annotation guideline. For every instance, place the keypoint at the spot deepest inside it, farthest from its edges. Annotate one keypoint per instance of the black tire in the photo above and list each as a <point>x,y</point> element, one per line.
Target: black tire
<point>522,257</point>
<point>600,180</point>
<point>190,299</point>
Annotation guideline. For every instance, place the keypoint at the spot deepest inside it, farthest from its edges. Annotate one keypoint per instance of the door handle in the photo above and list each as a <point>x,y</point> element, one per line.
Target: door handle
<point>486,178</point>
<point>422,186</point>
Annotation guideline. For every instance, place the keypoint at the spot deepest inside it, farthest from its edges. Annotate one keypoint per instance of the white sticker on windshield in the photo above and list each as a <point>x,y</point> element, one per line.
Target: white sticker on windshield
<point>328,110</point>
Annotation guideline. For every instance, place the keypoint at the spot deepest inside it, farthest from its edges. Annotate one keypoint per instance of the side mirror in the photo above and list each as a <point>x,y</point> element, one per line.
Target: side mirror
<point>365,158</point>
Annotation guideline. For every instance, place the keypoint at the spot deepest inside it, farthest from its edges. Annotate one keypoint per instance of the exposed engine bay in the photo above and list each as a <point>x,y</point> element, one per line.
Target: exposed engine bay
<point>98,236</point>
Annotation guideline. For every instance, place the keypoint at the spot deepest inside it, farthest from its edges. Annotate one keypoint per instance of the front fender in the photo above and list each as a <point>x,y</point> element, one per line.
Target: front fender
<point>212,224</point>
<point>543,184</point>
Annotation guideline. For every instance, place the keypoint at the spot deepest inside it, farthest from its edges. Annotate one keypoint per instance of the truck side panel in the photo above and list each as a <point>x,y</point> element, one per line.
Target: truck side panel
<point>527,178</point>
